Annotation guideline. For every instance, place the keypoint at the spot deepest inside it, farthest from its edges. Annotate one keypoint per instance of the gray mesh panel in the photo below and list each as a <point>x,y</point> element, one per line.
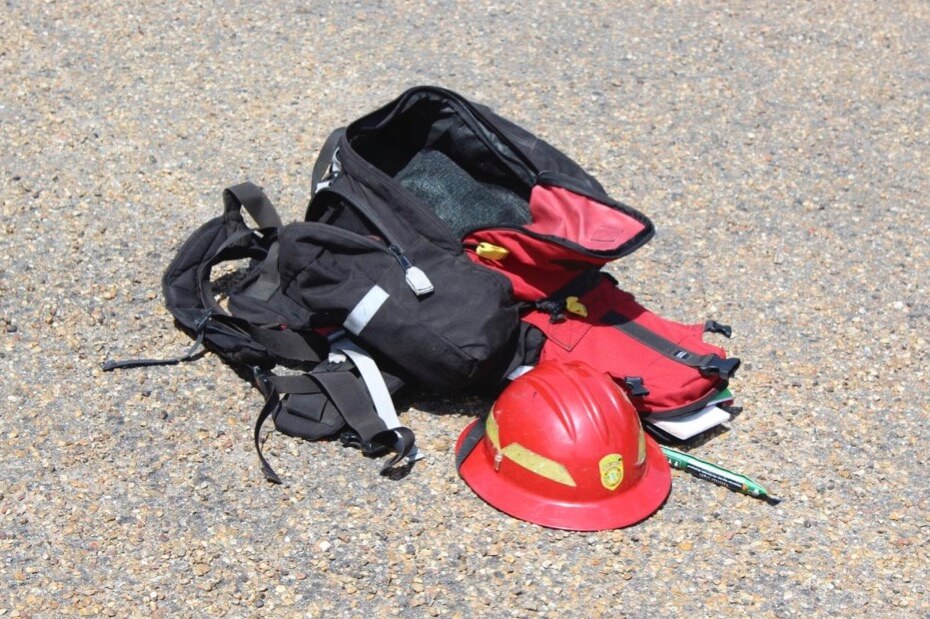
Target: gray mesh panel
<point>457,198</point>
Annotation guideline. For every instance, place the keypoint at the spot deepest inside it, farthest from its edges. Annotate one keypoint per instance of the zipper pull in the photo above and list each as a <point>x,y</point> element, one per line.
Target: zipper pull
<point>415,277</point>
<point>332,172</point>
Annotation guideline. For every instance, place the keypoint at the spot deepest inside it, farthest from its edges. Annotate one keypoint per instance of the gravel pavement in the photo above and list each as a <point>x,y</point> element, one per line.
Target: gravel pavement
<point>781,148</point>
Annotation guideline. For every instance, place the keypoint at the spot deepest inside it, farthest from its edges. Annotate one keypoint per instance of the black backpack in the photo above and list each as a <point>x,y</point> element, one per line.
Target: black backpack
<point>331,320</point>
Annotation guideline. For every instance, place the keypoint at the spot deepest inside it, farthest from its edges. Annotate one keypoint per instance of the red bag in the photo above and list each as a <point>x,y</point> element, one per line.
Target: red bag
<point>666,367</point>
<point>569,233</point>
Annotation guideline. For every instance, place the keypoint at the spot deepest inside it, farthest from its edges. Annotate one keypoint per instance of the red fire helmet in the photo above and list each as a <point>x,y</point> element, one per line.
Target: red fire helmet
<point>563,447</point>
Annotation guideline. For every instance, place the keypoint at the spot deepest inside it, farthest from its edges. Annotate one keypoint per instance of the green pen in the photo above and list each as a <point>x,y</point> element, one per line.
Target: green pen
<point>716,474</point>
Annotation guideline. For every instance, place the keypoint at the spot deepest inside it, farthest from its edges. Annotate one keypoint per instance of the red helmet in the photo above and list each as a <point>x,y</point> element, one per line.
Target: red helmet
<point>563,447</point>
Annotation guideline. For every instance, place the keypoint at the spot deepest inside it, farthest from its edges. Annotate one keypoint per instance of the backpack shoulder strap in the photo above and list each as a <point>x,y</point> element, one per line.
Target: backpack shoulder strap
<point>363,401</point>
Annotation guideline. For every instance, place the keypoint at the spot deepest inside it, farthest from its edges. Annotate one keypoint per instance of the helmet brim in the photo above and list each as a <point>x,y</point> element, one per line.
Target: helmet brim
<point>622,509</point>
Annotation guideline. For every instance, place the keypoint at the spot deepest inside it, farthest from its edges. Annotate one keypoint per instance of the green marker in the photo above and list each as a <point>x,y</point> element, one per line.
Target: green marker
<point>716,474</point>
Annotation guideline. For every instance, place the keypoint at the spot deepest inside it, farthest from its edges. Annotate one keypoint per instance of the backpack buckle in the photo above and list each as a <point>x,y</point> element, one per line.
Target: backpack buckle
<point>262,381</point>
<point>712,326</point>
<point>724,368</point>
<point>635,386</point>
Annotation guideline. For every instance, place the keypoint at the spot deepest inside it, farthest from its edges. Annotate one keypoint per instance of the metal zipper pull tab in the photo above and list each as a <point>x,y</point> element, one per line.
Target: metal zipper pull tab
<point>418,281</point>
<point>332,172</point>
<point>415,277</point>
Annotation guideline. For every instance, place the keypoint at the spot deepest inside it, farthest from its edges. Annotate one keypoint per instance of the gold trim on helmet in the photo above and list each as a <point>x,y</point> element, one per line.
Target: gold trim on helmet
<point>521,456</point>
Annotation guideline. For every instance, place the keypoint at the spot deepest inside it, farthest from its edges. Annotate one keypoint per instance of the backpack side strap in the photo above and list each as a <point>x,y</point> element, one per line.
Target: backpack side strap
<point>709,364</point>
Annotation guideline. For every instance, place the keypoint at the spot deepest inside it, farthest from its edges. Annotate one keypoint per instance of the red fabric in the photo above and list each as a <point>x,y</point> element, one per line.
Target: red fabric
<point>539,267</point>
<point>672,386</point>
<point>536,267</point>
<point>563,213</point>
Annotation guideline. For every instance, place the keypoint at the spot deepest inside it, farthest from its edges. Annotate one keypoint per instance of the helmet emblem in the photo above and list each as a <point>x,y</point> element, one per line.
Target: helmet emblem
<point>611,471</point>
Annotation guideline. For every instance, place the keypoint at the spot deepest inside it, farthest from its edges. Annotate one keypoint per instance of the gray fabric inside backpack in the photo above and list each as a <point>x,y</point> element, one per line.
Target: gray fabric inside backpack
<point>459,199</point>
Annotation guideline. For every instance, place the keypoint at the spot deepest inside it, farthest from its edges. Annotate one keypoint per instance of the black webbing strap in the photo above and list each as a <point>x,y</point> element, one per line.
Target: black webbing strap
<point>709,364</point>
<point>282,343</point>
<point>269,280</point>
<point>292,345</point>
<point>272,405</point>
<point>239,245</point>
<point>255,202</point>
<point>348,394</point>
<point>469,443</point>
<point>555,304</point>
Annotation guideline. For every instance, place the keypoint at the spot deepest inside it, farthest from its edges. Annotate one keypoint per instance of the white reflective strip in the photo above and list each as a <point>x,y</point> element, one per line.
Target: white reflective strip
<point>519,371</point>
<point>371,376</point>
<point>365,310</point>
<point>377,388</point>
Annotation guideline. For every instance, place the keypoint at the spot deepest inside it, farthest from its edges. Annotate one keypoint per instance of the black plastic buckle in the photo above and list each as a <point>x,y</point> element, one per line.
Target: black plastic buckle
<point>262,381</point>
<point>554,307</point>
<point>712,326</point>
<point>634,385</point>
<point>724,368</point>
<point>350,438</point>
<point>201,323</point>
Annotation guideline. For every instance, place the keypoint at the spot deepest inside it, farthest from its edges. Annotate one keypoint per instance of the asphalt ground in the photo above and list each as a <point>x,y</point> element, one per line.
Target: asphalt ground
<point>781,150</point>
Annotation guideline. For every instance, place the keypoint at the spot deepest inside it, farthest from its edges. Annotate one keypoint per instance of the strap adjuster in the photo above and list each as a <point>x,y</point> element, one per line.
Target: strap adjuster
<point>712,326</point>
<point>724,368</point>
<point>262,381</point>
<point>635,386</point>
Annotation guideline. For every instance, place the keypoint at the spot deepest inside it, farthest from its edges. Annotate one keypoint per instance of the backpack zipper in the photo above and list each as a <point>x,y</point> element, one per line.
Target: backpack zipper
<point>416,279</point>
<point>414,276</point>
<point>471,117</point>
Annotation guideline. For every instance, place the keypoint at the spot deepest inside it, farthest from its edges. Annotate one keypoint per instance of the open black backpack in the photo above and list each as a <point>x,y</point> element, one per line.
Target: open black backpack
<point>443,248</point>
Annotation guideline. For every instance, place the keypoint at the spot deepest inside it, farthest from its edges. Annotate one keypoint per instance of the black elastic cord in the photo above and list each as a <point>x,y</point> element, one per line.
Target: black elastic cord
<point>194,351</point>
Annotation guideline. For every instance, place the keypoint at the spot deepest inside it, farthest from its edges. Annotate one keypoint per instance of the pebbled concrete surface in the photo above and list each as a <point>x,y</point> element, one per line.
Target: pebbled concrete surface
<point>780,148</point>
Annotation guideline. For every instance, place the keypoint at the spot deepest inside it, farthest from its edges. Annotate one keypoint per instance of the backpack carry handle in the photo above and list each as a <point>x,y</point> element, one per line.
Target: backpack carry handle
<point>255,201</point>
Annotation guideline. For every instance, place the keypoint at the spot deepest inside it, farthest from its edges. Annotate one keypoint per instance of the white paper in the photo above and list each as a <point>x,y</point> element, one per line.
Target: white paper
<point>687,426</point>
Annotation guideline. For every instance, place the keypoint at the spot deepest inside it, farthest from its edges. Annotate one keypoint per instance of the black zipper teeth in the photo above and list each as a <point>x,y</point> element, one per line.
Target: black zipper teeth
<point>438,225</point>
<point>469,115</point>
<point>400,257</point>
<point>566,182</point>
<point>473,115</point>
<point>390,246</point>
<point>470,119</point>
<point>581,249</point>
<point>368,214</point>
<point>355,237</point>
